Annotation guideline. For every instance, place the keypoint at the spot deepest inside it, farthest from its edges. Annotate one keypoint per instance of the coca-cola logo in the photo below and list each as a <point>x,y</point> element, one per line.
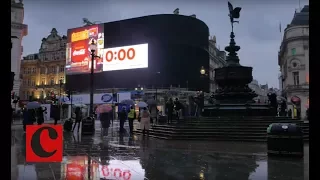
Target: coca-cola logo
<point>79,52</point>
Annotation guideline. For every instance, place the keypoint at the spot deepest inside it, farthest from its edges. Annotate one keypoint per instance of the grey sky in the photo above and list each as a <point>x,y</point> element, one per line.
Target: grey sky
<point>257,34</point>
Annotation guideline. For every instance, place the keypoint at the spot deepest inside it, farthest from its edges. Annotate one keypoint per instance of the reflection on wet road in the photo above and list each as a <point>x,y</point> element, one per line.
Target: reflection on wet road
<point>137,158</point>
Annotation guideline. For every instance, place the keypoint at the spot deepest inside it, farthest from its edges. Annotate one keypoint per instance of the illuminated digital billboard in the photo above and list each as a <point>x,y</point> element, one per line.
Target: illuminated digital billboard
<point>126,57</point>
<point>78,53</point>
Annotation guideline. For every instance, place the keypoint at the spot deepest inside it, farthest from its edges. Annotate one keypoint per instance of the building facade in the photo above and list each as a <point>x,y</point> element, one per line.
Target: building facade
<point>260,90</point>
<point>44,72</point>
<point>217,59</point>
<point>18,31</point>
<point>294,62</point>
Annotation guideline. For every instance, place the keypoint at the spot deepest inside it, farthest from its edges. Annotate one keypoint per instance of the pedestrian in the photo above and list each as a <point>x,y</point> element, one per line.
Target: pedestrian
<point>40,118</point>
<point>25,118</point>
<point>131,117</point>
<point>105,122</point>
<point>55,114</point>
<point>122,117</point>
<point>145,121</point>
<point>290,113</point>
<point>29,118</point>
<point>177,106</point>
<point>78,118</point>
<point>307,113</point>
<point>169,109</point>
<point>153,114</point>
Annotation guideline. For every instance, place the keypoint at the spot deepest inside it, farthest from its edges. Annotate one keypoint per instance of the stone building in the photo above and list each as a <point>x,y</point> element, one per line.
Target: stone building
<point>217,60</point>
<point>43,72</point>
<point>294,62</point>
<point>260,90</point>
<point>18,31</point>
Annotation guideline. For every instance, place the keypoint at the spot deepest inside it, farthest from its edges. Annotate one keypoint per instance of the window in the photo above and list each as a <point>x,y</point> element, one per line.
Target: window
<point>295,78</point>
<point>53,69</point>
<point>52,81</point>
<point>28,94</point>
<point>61,69</point>
<point>293,51</point>
<point>34,70</point>
<point>24,70</point>
<point>33,82</point>
<point>43,81</point>
<point>29,71</point>
<point>294,64</point>
<point>29,82</point>
<point>43,70</point>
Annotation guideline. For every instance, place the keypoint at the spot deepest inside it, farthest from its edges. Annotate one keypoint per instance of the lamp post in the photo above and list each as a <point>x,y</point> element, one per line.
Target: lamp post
<point>60,106</point>
<point>93,48</point>
<point>156,96</point>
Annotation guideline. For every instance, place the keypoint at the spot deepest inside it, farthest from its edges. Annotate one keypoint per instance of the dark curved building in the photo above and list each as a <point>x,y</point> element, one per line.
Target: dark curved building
<point>176,48</point>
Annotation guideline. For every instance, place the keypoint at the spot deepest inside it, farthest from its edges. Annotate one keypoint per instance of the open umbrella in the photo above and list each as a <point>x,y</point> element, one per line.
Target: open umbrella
<point>142,104</point>
<point>127,102</point>
<point>103,108</point>
<point>33,105</point>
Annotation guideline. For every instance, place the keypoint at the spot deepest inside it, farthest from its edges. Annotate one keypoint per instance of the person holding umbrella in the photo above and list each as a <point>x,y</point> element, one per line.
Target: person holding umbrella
<point>122,117</point>
<point>40,117</point>
<point>105,114</point>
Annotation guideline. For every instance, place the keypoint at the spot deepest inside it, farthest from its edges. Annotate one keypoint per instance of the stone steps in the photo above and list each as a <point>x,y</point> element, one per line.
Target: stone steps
<point>252,129</point>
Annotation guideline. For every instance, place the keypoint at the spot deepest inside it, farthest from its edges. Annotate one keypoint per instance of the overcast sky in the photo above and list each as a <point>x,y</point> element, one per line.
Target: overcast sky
<point>258,33</point>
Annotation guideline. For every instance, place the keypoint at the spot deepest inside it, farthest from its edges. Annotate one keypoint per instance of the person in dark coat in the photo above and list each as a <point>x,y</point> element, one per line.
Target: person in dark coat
<point>78,118</point>
<point>40,112</point>
<point>105,121</point>
<point>29,117</point>
<point>169,109</point>
<point>178,107</point>
<point>55,114</point>
<point>122,117</point>
<point>290,113</point>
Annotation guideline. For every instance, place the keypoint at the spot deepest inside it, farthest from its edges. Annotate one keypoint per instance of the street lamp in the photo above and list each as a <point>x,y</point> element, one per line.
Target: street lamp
<point>202,71</point>
<point>93,48</point>
<point>60,106</point>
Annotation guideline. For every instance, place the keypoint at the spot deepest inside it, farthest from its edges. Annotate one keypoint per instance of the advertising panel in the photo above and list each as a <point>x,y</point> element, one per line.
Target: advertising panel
<point>126,57</point>
<point>78,53</point>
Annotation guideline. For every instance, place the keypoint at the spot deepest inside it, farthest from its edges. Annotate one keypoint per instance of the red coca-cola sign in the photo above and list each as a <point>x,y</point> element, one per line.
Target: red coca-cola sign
<point>79,51</point>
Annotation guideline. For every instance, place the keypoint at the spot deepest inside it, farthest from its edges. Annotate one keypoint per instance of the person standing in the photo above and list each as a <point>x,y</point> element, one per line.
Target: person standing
<point>40,112</point>
<point>145,121</point>
<point>105,122</point>
<point>78,118</point>
<point>131,117</point>
<point>122,117</point>
<point>178,108</point>
<point>169,109</point>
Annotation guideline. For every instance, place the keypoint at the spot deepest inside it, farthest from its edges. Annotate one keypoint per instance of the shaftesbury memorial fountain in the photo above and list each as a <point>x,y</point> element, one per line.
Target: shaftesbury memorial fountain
<point>234,97</point>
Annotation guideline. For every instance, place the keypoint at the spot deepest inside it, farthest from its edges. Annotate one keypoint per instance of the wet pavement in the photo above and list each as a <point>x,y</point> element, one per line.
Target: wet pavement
<point>123,157</point>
